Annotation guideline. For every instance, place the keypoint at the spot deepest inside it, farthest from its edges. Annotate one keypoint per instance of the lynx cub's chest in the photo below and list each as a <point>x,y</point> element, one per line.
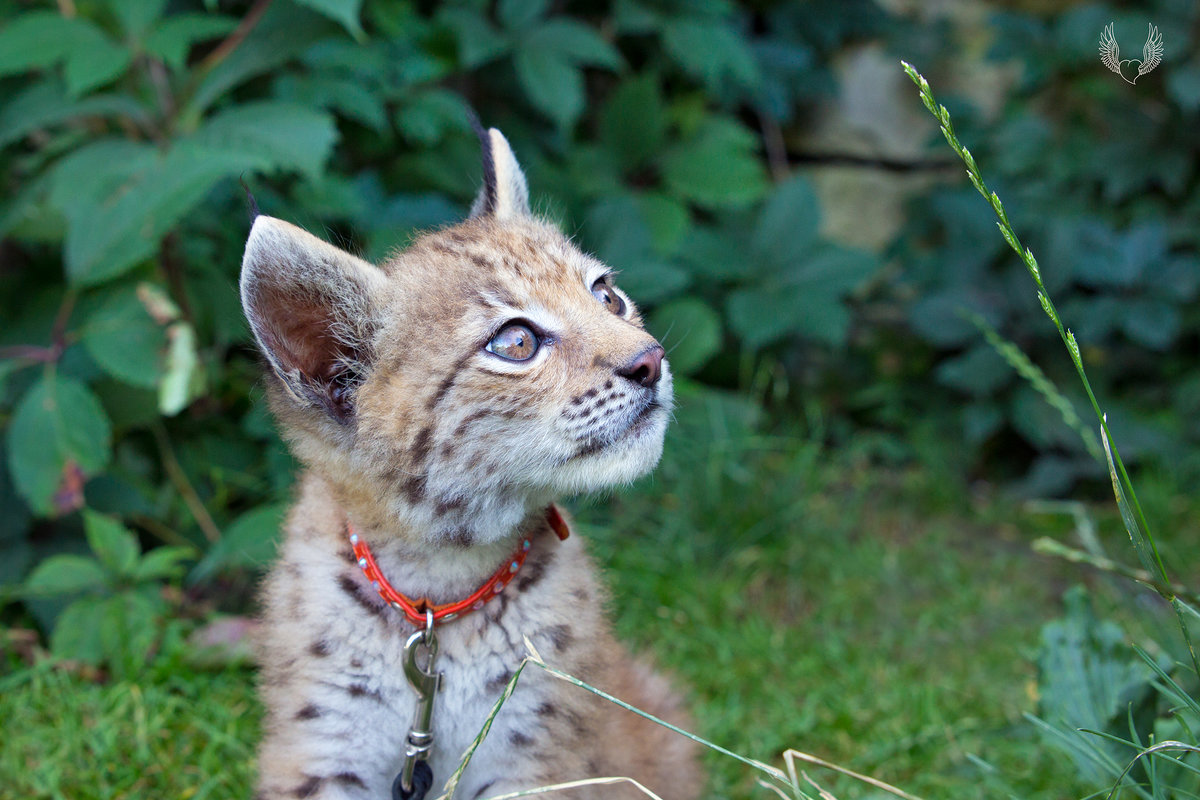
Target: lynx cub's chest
<point>440,403</point>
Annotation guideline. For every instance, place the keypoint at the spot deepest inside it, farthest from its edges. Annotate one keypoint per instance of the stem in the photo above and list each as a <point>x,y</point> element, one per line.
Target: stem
<point>1068,338</point>
<point>62,318</point>
<point>1137,527</point>
<point>1050,547</point>
<point>234,39</point>
<point>161,82</point>
<point>29,352</point>
<point>165,533</point>
<point>773,143</point>
<point>789,755</point>
<point>184,486</point>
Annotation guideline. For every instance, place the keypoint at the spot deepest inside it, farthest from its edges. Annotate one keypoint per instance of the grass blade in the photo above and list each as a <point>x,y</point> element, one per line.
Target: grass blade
<point>559,787</point>
<point>790,756</point>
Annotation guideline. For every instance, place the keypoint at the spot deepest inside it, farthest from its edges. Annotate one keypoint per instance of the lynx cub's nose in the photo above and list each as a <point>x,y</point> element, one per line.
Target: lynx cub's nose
<point>646,368</point>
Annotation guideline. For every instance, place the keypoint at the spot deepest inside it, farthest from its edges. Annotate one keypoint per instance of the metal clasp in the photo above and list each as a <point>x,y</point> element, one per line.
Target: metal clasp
<point>425,682</point>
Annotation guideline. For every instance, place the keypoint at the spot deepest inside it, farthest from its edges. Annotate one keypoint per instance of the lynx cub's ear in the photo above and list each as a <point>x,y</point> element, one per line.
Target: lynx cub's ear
<point>310,307</point>
<point>504,194</point>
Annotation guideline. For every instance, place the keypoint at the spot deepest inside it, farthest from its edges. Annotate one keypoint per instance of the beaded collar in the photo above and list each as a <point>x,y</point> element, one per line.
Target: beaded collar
<point>417,611</point>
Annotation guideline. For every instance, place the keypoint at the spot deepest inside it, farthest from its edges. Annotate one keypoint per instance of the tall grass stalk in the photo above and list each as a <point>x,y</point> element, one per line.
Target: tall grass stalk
<point>1127,501</point>
<point>1034,376</point>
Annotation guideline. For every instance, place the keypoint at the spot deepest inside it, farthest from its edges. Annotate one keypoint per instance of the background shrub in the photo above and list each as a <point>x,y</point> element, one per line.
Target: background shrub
<point>696,146</point>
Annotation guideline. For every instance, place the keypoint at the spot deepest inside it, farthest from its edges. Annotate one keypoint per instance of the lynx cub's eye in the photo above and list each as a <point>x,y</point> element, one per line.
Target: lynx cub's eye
<point>515,341</point>
<point>608,296</point>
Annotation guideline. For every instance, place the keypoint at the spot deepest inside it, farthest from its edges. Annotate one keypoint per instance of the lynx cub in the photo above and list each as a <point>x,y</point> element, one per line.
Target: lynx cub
<point>440,402</point>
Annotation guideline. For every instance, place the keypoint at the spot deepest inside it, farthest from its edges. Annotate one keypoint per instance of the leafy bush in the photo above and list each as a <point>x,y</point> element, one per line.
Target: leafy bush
<point>125,377</point>
<point>1102,179</point>
<point>116,606</point>
<point>662,133</point>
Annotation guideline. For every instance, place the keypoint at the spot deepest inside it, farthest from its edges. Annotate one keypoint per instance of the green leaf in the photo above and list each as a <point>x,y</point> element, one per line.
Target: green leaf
<point>83,181</point>
<point>1150,322</point>
<point>806,299</point>
<point>830,269</point>
<point>763,314</point>
<point>77,632</point>
<point>519,14</point>
<point>574,42</point>
<point>979,371</point>
<point>136,15</point>
<point>108,237</point>
<point>1143,545</point>
<point>632,124</point>
<point>115,546</point>
<point>277,136</point>
<point>667,220</point>
<point>162,563</point>
<point>787,226</point>
<point>717,167</point>
<point>173,38</point>
<point>65,574</point>
<point>94,60</point>
<point>552,84</point>
<point>350,97</point>
<point>344,12</point>
<point>716,254</point>
<point>45,103</point>
<point>652,280</point>
<point>182,380</point>
<point>691,332</point>
<point>284,32</point>
<point>249,543</point>
<point>431,114</point>
<point>34,40</point>
<point>478,41</point>
<point>1088,676</point>
<point>125,340</point>
<point>712,51</point>
<point>57,430</point>
<point>1183,84</point>
<point>128,630</point>
<point>39,39</point>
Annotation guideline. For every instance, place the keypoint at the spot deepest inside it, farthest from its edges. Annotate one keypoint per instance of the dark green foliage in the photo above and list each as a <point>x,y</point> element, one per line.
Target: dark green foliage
<point>1100,180</point>
<point>116,603</point>
<point>1103,703</point>
<point>126,379</point>
<point>127,384</point>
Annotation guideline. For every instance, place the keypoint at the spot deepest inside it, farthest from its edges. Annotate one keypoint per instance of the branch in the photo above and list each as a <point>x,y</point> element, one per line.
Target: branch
<point>234,39</point>
<point>184,486</point>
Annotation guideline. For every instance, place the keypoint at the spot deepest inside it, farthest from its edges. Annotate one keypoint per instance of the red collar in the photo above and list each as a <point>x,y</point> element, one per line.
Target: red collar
<point>416,610</point>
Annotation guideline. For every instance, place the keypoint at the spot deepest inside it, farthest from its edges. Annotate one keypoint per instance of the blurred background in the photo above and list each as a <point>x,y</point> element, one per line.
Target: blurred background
<point>877,422</point>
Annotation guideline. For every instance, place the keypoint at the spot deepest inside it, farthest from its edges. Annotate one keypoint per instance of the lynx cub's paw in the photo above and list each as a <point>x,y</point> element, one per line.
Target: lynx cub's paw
<point>440,402</point>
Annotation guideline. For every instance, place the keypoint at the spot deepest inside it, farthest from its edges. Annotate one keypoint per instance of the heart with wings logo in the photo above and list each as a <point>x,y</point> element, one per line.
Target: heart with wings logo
<point>1110,54</point>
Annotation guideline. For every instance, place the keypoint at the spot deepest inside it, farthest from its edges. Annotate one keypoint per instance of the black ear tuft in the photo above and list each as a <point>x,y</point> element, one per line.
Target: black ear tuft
<point>251,203</point>
<point>488,193</point>
<point>504,194</point>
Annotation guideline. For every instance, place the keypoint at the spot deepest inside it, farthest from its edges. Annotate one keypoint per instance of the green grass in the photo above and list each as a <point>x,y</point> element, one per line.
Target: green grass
<point>877,618</point>
<point>822,607</point>
<point>190,736</point>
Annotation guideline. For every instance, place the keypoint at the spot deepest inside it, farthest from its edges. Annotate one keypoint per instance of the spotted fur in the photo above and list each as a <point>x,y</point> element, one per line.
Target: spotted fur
<point>442,455</point>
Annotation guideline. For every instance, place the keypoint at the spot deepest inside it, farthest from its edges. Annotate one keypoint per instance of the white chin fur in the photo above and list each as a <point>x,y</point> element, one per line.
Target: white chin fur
<point>622,461</point>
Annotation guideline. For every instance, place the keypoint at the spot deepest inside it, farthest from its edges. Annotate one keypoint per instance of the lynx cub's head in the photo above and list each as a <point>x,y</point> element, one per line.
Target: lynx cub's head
<point>453,390</point>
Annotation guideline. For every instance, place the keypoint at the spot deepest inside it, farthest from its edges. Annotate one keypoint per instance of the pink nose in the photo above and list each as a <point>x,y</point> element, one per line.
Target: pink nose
<point>646,369</point>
